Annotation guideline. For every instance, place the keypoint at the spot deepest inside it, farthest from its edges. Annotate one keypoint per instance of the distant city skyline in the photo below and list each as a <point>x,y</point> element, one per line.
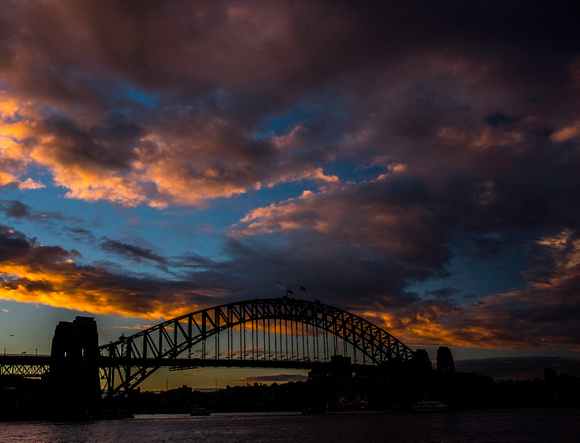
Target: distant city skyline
<point>416,164</point>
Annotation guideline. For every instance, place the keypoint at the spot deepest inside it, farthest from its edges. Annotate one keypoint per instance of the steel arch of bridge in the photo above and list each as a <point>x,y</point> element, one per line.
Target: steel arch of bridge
<point>128,361</point>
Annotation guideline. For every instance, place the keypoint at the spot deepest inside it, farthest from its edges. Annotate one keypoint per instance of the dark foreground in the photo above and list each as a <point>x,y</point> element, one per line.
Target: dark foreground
<point>513,425</point>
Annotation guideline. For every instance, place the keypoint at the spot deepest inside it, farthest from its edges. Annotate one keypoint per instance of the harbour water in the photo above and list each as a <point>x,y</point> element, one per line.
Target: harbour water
<point>509,425</point>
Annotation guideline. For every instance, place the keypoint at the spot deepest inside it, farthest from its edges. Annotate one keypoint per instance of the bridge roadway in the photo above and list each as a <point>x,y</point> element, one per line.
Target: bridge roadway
<point>25,359</point>
<point>43,362</point>
<point>31,366</point>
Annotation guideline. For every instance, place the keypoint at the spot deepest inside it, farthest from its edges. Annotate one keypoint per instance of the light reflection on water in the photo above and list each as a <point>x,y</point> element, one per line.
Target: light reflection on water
<point>523,425</point>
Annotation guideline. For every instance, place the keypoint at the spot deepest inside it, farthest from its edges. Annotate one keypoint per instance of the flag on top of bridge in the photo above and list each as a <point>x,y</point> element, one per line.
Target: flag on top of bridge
<point>288,291</point>
<point>302,288</point>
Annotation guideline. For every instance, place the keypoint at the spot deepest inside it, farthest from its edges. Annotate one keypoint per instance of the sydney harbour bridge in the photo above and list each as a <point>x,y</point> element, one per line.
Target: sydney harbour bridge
<point>259,333</point>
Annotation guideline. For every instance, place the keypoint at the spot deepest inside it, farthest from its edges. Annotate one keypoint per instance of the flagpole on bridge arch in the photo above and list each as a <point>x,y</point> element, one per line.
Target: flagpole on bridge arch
<point>302,288</point>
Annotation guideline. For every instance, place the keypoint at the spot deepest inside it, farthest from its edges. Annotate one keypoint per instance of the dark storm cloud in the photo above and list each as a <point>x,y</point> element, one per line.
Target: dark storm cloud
<point>543,314</point>
<point>372,59</point>
<point>271,49</point>
<point>356,246</point>
<point>105,146</point>
<point>193,45</point>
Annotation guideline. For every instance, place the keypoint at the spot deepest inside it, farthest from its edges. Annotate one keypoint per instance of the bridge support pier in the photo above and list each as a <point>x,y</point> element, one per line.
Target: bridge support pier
<point>74,383</point>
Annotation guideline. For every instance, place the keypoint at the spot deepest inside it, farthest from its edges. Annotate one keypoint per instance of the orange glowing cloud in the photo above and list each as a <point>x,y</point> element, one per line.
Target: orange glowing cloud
<point>183,165</point>
<point>567,133</point>
<point>50,275</point>
<point>480,141</point>
<point>291,140</point>
<point>8,179</point>
<point>66,285</point>
<point>539,315</point>
<point>494,322</point>
<point>355,215</point>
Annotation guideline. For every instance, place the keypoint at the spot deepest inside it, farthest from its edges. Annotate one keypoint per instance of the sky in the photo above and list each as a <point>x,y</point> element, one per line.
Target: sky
<point>416,163</point>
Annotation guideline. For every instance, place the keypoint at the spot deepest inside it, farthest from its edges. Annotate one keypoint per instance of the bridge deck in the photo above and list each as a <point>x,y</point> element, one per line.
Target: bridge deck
<point>177,363</point>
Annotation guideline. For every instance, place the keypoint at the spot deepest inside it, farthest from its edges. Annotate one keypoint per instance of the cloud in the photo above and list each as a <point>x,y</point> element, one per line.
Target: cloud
<point>567,133</point>
<point>134,328</point>
<point>184,156</point>
<point>49,275</point>
<point>16,209</point>
<point>400,137</point>
<point>157,117</point>
<point>132,252</point>
<point>81,234</point>
<point>443,292</point>
<point>100,142</point>
<point>543,314</point>
<point>390,217</point>
<point>10,180</point>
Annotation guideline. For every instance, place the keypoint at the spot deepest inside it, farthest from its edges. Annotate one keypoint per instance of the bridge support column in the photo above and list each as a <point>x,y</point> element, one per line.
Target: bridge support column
<point>445,360</point>
<point>74,382</point>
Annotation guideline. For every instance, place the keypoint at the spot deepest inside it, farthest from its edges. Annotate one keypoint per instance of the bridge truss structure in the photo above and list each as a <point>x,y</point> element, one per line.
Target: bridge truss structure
<point>28,366</point>
<point>276,332</point>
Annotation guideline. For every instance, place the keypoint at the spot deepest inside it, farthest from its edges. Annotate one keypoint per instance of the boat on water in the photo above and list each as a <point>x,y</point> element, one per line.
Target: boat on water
<point>199,412</point>
<point>429,406</point>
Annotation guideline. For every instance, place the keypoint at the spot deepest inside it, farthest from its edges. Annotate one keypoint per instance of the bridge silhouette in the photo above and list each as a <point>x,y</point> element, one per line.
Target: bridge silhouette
<point>259,333</point>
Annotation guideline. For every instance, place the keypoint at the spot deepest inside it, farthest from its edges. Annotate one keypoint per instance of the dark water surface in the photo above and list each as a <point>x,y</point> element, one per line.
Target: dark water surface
<point>512,425</point>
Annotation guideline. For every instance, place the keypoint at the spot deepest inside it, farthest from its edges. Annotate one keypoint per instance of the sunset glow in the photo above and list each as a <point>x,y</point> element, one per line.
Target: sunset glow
<point>415,164</point>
